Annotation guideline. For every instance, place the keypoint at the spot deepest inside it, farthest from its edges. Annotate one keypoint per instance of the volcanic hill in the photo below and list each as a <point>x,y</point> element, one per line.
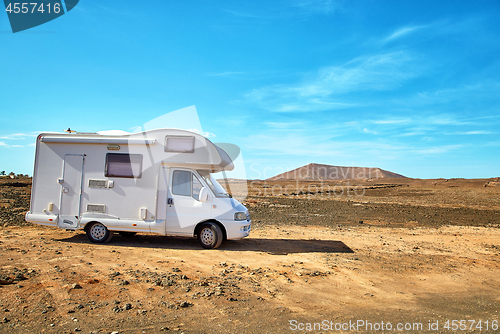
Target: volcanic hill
<point>328,172</point>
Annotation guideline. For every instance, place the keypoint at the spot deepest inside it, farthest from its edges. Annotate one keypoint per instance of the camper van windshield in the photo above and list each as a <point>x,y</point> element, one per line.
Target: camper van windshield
<point>217,189</point>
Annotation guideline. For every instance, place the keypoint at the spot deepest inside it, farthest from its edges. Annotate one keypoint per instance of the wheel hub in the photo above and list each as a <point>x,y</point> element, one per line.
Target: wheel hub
<point>207,236</point>
<point>97,232</point>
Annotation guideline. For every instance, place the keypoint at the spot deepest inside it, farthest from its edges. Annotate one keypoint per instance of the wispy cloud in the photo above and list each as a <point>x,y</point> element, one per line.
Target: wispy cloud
<point>489,117</point>
<point>403,32</point>
<point>17,136</point>
<point>365,130</point>
<point>462,92</point>
<point>274,144</point>
<point>324,91</point>
<point>424,126</point>
<point>418,128</point>
<point>392,121</point>
<point>409,134</point>
<point>478,132</point>
<point>446,123</point>
<point>319,145</point>
<point>3,144</point>
<point>203,133</point>
<point>288,126</point>
<point>440,28</point>
<point>436,149</point>
<point>312,105</point>
<point>447,120</point>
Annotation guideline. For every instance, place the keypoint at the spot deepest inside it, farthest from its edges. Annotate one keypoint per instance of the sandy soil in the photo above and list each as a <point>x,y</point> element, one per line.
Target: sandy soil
<point>392,255</point>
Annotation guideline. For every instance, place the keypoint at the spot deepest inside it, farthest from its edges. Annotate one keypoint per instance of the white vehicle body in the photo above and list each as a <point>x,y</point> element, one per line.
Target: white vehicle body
<point>155,181</point>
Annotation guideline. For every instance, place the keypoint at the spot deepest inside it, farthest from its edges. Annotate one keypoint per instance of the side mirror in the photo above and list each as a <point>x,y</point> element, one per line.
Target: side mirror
<point>203,197</point>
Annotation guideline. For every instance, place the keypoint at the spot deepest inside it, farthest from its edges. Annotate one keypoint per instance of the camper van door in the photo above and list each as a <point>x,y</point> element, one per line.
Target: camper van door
<point>71,191</point>
<point>184,208</point>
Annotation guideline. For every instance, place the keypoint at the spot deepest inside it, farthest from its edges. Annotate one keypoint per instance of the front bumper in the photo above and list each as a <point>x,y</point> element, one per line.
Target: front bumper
<point>237,229</point>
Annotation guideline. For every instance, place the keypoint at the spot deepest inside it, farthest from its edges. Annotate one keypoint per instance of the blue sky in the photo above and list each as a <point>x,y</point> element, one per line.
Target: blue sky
<point>408,86</point>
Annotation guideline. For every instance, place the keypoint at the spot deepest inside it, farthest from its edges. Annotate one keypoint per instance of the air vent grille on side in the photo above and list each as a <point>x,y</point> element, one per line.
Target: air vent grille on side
<point>98,208</point>
<point>98,183</point>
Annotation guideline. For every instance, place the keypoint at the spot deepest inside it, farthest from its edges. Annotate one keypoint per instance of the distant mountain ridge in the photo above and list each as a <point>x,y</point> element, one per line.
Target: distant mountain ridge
<point>328,172</point>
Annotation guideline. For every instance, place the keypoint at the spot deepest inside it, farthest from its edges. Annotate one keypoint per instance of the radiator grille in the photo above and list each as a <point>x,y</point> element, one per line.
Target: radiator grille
<point>99,208</point>
<point>98,183</point>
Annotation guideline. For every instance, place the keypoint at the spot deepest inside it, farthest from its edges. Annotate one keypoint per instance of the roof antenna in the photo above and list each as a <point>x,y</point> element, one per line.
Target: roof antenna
<point>69,130</point>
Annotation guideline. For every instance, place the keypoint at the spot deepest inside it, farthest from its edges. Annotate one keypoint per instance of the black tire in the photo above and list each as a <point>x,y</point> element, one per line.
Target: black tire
<point>210,235</point>
<point>127,234</point>
<point>98,233</point>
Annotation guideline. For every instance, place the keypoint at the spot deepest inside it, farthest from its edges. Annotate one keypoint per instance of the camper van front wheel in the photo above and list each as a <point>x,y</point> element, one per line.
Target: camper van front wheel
<point>210,235</point>
<point>98,233</point>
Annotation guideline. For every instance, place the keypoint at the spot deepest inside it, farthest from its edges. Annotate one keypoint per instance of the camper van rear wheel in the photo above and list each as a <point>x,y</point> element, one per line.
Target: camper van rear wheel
<point>98,233</point>
<point>210,235</point>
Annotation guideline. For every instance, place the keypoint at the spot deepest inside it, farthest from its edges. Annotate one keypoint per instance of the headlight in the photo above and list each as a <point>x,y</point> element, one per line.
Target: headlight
<point>240,216</point>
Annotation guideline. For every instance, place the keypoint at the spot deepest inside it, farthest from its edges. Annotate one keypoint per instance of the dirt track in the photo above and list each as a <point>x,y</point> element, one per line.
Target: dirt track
<point>306,260</point>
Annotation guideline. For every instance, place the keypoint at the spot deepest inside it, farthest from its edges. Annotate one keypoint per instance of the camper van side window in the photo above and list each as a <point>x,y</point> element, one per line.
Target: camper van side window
<point>186,184</point>
<point>196,188</point>
<point>181,183</point>
<point>123,165</point>
<point>179,144</point>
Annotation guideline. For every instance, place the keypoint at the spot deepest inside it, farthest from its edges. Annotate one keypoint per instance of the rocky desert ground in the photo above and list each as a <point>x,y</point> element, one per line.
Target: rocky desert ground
<point>338,256</point>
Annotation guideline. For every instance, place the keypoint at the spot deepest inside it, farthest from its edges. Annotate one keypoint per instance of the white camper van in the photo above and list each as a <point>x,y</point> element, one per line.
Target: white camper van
<point>156,181</point>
